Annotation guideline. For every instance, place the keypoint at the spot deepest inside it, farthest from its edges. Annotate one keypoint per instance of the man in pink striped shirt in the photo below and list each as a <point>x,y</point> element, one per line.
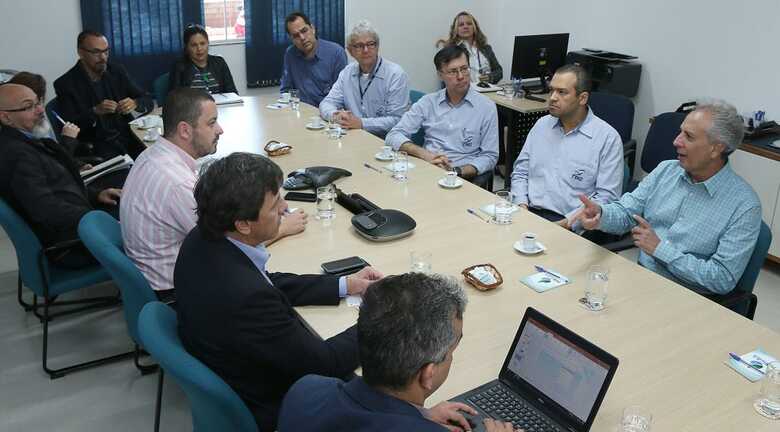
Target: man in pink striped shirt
<point>157,208</point>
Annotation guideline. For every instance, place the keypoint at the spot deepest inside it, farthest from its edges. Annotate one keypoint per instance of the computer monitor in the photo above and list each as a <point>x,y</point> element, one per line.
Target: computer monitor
<point>538,56</point>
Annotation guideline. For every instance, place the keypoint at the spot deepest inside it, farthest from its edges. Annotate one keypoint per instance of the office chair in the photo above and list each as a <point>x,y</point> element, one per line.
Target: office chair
<point>49,281</point>
<point>102,235</point>
<point>742,300</point>
<point>215,406</point>
<point>419,136</point>
<point>160,88</point>
<point>618,112</point>
<point>659,146</point>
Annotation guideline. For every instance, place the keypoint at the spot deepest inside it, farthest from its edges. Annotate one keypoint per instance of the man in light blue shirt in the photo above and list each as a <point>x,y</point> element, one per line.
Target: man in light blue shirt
<point>694,219</point>
<point>311,65</point>
<point>568,153</point>
<point>461,125</point>
<point>371,94</point>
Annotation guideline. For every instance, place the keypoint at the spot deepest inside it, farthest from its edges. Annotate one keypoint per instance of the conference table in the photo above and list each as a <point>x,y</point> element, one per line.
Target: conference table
<point>671,342</point>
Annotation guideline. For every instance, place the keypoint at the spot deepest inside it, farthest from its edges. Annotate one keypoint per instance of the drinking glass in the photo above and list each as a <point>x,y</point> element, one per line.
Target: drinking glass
<point>636,419</point>
<point>502,213</point>
<point>400,165</point>
<point>421,261</point>
<point>295,99</point>
<point>768,403</point>
<point>326,202</point>
<point>596,287</point>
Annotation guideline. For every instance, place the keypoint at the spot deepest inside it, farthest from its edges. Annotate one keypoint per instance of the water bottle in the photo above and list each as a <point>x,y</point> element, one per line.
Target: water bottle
<point>517,86</point>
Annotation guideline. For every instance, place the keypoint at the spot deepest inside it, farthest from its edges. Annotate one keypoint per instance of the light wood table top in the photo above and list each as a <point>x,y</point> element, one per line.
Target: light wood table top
<point>522,105</point>
<point>671,342</point>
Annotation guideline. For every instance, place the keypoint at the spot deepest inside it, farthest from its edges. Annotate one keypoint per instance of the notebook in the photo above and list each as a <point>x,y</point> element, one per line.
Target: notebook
<point>552,380</point>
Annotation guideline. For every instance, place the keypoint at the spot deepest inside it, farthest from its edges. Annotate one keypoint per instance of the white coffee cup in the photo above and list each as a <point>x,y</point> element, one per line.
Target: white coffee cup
<point>315,121</point>
<point>529,241</point>
<point>387,151</point>
<point>451,179</point>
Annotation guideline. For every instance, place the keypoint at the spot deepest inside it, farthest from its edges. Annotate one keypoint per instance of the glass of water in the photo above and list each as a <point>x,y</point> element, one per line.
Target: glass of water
<point>502,212</point>
<point>596,287</point>
<point>421,261</point>
<point>295,99</point>
<point>326,202</point>
<point>768,404</point>
<point>400,165</point>
<point>636,419</point>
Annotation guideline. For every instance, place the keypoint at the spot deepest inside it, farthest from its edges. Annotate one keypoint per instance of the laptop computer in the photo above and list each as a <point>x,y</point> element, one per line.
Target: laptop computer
<point>552,380</point>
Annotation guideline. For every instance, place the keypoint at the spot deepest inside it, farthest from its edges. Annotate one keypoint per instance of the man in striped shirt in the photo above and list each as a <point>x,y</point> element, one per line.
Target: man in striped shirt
<point>157,208</point>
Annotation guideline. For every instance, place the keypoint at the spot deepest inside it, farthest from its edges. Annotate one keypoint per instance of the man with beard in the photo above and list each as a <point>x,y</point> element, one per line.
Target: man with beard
<point>311,65</point>
<point>40,179</point>
<point>100,98</point>
<point>158,207</point>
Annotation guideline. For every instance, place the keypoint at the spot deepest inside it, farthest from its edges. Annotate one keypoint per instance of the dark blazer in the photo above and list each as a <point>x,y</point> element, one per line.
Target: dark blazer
<point>76,98</point>
<point>40,180</point>
<point>317,403</point>
<point>496,72</point>
<point>246,329</point>
<point>183,71</point>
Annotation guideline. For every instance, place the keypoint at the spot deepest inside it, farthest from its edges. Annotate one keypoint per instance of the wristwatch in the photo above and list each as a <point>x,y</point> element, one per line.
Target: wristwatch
<point>459,171</point>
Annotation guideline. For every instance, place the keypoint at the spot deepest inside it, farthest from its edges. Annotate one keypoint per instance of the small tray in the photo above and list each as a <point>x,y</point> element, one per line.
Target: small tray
<point>479,285</point>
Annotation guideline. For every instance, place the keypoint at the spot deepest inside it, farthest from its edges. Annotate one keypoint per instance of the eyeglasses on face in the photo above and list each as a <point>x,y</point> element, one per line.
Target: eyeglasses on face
<point>96,52</point>
<point>463,70</point>
<point>27,106</point>
<point>361,46</point>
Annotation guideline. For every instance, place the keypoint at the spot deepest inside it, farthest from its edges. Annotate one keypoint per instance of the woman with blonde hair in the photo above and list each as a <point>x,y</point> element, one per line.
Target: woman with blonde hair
<point>483,64</point>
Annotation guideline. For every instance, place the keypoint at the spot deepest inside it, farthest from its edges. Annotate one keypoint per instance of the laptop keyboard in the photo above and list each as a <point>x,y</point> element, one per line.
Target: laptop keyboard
<point>504,405</point>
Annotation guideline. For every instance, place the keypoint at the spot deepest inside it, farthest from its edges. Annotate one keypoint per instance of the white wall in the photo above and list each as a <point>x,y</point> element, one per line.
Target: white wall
<point>687,49</point>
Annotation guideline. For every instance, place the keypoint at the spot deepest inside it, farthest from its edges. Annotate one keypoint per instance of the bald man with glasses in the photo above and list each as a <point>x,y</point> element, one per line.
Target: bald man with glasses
<point>100,98</point>
<point>41,181</point>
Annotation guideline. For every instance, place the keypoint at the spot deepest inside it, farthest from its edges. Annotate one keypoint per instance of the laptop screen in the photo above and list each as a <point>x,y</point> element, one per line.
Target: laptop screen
<point>558,368</point>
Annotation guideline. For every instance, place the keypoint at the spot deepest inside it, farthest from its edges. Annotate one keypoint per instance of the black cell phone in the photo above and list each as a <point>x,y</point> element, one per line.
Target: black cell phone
<point>344,266</point>
<point>301,196</point>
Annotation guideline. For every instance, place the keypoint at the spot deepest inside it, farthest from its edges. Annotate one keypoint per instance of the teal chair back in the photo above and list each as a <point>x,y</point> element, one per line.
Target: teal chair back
<point>102,235</point>
<point>419,136</point>
<point>214,405</point>
<point>35,272</point>
<point>748,280</point>
<point>160,88</point>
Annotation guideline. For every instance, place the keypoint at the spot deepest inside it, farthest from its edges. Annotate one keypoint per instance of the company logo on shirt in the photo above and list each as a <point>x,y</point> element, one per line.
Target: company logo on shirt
<point>468,138</point>
<point>577,175</point>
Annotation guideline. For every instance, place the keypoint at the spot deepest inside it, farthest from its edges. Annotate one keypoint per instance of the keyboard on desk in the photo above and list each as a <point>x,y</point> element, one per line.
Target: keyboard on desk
<point>502,404</point>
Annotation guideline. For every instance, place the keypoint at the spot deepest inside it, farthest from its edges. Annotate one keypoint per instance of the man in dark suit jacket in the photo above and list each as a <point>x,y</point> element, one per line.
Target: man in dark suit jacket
<point>40,179</point>
<point>99,97</point>
<point>234,315</point>
<point>408,328</point>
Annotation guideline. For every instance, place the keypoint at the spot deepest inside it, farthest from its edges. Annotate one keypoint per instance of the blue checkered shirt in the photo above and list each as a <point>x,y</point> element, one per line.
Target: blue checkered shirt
<point>707,230</point>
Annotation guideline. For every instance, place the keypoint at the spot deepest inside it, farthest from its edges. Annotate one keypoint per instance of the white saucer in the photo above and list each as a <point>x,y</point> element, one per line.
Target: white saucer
<point>315,127</point>
<point>519,247</point>
<point>409,165</point>
<point>386,158</point>
<point>458,183</point>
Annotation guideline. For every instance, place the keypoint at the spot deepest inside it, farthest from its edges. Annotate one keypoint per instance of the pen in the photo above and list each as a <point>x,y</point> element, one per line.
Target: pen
<point>58,117</point>
<point>367,165</point>
<point>751,366</point>
<point>471,211</point>
<point>556,276</point>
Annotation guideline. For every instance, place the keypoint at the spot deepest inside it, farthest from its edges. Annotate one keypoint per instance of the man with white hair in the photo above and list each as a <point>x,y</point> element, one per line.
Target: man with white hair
<point>371,94</point>
<point>694,219</point>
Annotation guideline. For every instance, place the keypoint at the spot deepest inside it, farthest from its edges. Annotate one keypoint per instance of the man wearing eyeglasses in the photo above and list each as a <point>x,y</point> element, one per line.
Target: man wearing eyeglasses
<point>371,94</point>
<point>40,179</point>
<point>461,125</point>
<point>100,98</point>
<point>311,65</point>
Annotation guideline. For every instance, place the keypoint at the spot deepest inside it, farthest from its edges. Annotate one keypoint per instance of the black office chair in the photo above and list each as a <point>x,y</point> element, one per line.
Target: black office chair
<point>618,112</point>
